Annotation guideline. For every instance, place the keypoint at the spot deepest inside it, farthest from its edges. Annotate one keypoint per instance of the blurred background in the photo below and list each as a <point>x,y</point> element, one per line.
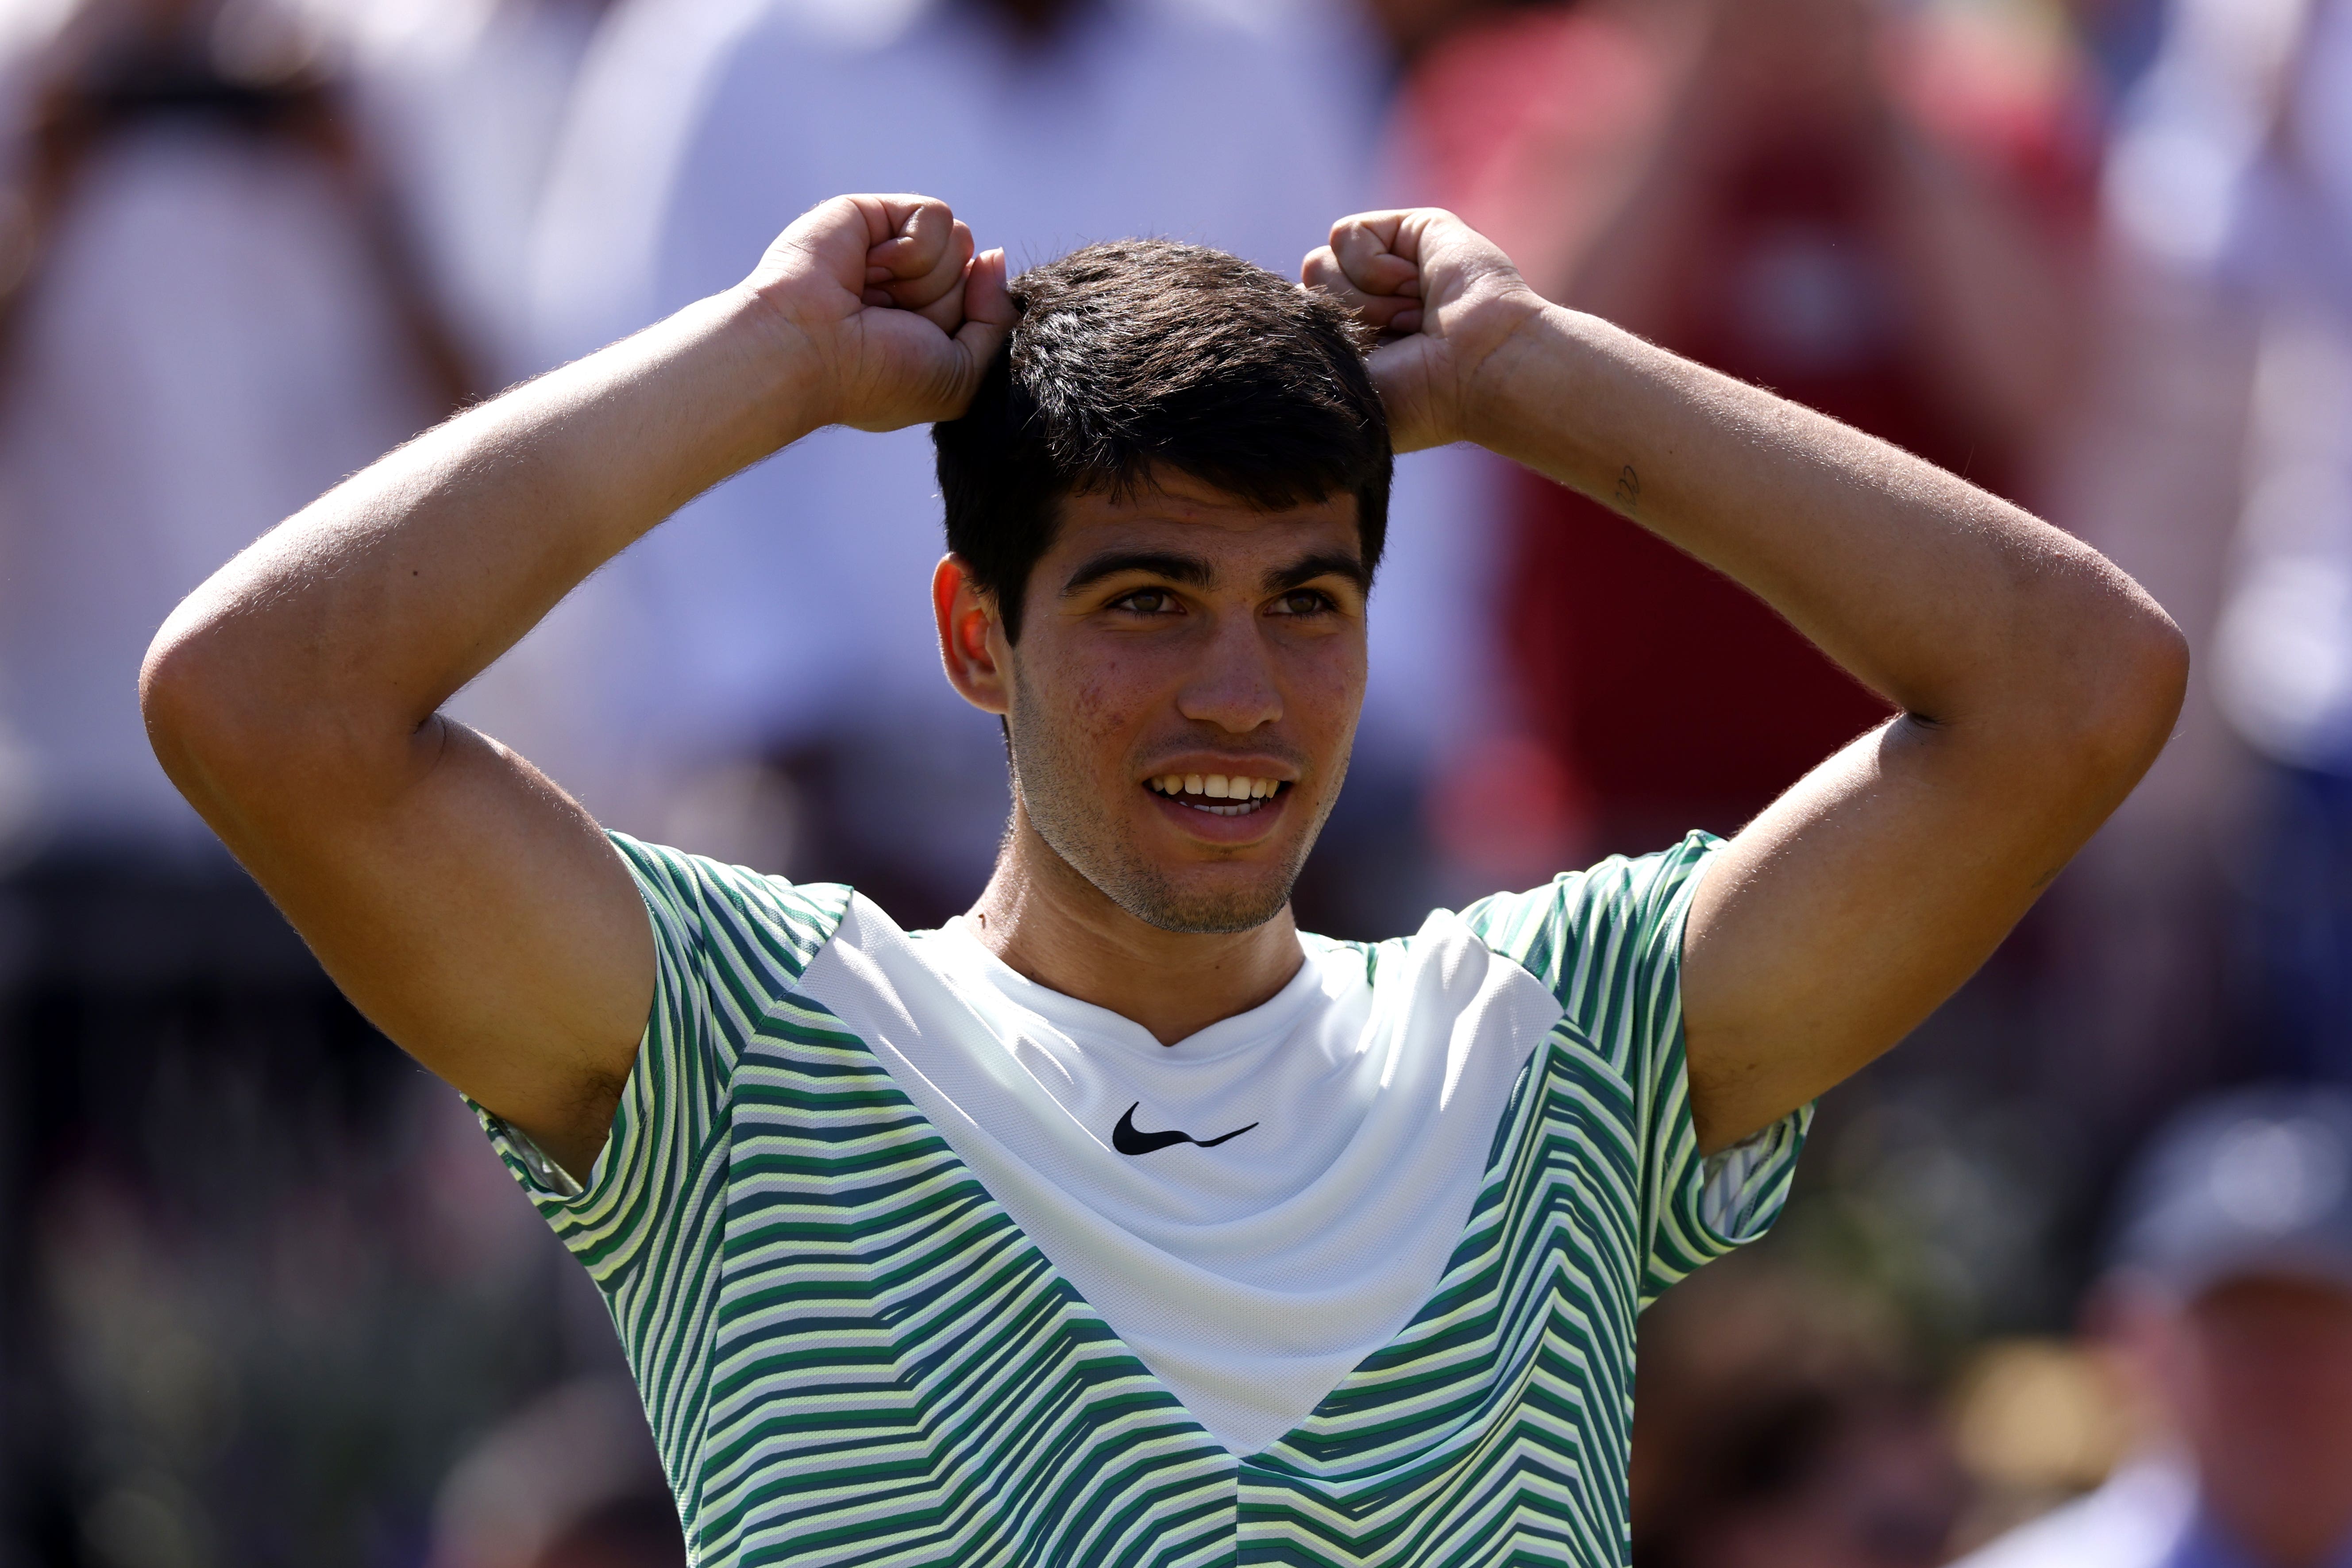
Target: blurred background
<point>266,1296</point>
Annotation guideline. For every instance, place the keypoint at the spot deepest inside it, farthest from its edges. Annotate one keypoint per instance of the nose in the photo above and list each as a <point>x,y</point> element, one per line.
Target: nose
<point>1234,686</point>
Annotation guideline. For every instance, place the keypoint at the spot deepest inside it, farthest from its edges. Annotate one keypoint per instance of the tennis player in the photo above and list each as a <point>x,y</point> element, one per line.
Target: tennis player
<point>1119,1221</point>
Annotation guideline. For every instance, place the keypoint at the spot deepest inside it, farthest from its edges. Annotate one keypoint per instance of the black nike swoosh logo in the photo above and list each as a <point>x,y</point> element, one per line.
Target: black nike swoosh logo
<point>1128,1140</point>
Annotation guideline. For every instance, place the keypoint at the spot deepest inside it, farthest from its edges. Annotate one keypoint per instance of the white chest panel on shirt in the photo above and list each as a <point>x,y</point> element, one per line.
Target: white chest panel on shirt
<point>1352,1117</point>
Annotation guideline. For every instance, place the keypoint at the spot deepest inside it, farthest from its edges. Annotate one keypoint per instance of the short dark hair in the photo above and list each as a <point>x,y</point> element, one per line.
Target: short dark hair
<point>1144,353</point>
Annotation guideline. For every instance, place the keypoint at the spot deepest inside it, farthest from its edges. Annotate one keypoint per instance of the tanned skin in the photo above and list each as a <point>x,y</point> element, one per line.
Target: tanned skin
<point>1251,663</point>
<point>477,915</point>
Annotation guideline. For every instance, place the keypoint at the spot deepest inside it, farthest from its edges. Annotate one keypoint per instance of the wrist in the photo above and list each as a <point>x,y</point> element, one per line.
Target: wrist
<point>790,384</point>
<point>1495,394</point>
<point>1524,388</point>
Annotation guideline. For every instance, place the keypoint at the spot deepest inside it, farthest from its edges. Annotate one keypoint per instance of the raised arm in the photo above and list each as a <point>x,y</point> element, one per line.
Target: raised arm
<point>2036,681</point>
<point>467,907</point>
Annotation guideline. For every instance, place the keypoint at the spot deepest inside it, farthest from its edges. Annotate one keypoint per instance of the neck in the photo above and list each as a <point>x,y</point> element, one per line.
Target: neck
<point>1052,925</point>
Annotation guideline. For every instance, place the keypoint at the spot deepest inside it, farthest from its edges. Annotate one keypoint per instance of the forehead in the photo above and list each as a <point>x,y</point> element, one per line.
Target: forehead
<point>1176,511</point>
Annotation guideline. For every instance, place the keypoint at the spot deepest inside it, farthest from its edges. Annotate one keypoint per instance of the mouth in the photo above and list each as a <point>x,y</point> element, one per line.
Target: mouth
<point>1219,794</point>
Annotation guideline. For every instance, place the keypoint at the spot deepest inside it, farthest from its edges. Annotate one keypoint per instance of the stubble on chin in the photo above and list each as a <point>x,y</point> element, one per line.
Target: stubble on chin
<point>1085,833</point>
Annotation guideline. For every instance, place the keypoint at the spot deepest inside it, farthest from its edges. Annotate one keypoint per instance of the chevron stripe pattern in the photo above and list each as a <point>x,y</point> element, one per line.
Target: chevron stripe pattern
<point>851,1356</point>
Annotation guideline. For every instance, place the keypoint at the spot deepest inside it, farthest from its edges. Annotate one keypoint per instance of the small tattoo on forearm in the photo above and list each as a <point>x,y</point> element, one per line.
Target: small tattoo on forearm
<point>1629,488</point>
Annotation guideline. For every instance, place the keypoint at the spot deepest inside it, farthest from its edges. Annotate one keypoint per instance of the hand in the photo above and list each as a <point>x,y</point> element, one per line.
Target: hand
<point>902,319</point>
<point>1445,300</point>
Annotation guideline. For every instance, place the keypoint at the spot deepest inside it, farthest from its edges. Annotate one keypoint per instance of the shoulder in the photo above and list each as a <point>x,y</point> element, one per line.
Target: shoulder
<point>752,927</point>
<point>1614,900</point>
<point>1445,978</point>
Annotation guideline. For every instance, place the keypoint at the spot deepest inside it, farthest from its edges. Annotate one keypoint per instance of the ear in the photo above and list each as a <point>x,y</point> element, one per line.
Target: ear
<point>971,641</point>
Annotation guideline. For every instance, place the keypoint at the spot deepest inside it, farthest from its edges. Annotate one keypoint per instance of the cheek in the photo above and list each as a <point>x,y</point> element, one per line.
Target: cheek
<point>1100,705</point>
<point>1099,697</point>
<point>1324,692</point>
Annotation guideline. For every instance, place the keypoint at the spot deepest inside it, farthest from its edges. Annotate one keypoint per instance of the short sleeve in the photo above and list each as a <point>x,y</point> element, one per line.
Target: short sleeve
<point>1608,943</point>
<point>728,942</point>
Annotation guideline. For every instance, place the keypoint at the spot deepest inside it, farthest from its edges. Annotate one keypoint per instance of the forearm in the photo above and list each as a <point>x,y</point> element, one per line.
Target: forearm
<point>1948,602</point>
<point>345,628</point>
<point>2038,681</point>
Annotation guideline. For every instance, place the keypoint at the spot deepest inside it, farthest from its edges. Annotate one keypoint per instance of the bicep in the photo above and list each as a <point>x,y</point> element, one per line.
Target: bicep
<point>1854,905</point>
<point>481,919</point>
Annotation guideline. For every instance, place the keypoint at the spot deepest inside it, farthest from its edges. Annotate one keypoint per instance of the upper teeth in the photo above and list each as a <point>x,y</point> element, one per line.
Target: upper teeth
<point>1216,786</point>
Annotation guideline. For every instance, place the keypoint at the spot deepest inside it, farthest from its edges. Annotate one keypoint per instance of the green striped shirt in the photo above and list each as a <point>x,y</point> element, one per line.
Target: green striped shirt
<point>850,1353</point>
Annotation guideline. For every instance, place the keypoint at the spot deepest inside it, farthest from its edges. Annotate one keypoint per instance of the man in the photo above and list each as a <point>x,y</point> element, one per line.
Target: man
<point>1118,1221</point>
<point>824,744</point>
<point>2233,1296</point>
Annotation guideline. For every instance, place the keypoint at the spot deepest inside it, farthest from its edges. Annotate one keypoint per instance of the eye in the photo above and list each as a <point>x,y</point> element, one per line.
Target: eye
<point>1304,602</point>
<point>1146,602</point>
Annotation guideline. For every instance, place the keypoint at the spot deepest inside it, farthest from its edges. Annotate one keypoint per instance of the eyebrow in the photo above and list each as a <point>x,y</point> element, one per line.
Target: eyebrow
<point>1328,564</point>
<point>1192,571</point>
<point>1198,572</point>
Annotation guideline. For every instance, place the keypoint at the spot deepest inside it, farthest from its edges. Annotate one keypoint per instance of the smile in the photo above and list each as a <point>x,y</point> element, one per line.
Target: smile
<point>1219,794</point>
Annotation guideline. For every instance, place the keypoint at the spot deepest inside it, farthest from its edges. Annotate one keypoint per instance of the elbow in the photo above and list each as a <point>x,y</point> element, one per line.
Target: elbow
<point>2089,693</point>
<point>2168,670</point>
<point>184,699</point>
<point>2139,678</point>
<point>227,732</point>
<point>2152,677</point>
<point>249,726</point>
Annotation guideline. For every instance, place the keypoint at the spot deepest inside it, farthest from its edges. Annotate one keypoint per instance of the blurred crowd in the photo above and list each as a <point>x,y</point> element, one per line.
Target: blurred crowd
<point>265,1296</point>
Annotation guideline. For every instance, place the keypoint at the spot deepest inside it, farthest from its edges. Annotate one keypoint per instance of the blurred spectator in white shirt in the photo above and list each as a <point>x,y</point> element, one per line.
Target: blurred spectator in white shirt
<point>214,1175</point>
<point>213,319</point>
<point>465,100</point>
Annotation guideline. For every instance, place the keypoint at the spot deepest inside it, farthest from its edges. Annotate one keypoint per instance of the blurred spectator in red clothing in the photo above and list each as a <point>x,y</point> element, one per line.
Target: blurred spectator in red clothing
<point>1884,219</point>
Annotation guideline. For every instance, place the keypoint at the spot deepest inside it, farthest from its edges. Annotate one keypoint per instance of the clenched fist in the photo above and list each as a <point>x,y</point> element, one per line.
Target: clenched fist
<point>899,315</point>
<point>1446,303</point>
